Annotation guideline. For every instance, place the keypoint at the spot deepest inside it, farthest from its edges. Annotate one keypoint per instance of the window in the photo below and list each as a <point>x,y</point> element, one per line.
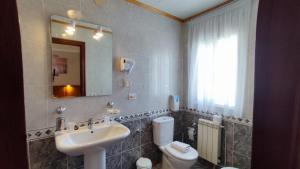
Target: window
<point>220,60</point>
<point>217,73</point>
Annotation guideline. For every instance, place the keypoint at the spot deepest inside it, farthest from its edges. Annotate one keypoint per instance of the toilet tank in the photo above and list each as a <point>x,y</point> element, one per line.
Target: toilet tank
<point>163,129</point>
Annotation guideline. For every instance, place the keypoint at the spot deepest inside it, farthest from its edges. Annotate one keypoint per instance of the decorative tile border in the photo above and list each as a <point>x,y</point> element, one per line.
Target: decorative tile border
<point>243,121</point>
<point>49,132</point>
<point>129,117</point>
<point>40,133</point>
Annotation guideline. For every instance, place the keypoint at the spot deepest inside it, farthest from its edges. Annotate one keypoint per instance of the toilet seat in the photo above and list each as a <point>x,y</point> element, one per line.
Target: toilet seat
<point>192,154</point>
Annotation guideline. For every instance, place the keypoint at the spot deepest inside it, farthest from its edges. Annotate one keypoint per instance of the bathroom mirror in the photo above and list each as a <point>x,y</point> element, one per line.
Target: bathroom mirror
<point>81,58</point>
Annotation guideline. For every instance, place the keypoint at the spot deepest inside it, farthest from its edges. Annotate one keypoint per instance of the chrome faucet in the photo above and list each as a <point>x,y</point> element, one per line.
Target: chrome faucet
<point>60,124</point>
<point>60,110</point>
<point>90,123</point>
<point>60,121</point>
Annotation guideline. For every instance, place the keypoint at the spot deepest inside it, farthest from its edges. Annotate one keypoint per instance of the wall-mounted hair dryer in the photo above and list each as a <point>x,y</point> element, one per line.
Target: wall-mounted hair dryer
<point>126,64</point>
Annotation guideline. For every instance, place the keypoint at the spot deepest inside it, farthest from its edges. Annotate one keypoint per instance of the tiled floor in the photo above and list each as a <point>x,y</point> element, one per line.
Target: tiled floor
<point>158,166</point>
<point>199,165</point>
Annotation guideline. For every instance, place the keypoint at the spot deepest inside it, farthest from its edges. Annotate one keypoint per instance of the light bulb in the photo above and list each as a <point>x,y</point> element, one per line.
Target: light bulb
<point>98,34</point>
<point>70,30</point>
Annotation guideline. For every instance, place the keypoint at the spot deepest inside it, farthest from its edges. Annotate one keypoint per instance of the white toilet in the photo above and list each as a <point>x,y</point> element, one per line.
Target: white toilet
<point>163,128</point>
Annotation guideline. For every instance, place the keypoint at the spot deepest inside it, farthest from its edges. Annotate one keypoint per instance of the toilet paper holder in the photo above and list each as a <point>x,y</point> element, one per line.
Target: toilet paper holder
<point>191,133</point>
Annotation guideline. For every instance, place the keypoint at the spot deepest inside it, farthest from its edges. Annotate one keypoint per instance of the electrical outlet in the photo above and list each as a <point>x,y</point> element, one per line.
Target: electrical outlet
<point>132,96</point>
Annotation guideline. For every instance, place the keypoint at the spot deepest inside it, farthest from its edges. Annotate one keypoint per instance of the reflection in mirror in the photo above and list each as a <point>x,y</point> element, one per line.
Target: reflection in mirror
<point>68,68</point>
<point>81,58</point>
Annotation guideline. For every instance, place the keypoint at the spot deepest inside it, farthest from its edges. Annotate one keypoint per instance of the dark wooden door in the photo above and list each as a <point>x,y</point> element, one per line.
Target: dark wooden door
<point>277,86</point>
<point>12,115</point>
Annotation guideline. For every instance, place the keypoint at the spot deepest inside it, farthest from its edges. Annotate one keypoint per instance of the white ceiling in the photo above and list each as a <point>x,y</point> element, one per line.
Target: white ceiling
<point>182,8</point>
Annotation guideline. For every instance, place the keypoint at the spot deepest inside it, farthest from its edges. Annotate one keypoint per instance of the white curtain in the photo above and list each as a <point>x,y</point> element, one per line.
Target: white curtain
<point>220,57</point>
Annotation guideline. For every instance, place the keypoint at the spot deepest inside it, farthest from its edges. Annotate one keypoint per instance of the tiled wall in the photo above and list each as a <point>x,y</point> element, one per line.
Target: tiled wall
<point>123,154</point>
<point>152,40</point>
<point>236,137</point>
<point>238,144</point>
<point>120,155</point>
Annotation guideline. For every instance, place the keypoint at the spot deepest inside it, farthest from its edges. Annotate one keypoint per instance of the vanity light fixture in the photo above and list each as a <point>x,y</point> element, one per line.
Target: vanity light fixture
<point>98,34</point>
<point>70,29</point>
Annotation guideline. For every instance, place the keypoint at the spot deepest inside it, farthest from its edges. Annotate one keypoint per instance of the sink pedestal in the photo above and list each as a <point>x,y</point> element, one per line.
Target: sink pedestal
<point>95,159</point>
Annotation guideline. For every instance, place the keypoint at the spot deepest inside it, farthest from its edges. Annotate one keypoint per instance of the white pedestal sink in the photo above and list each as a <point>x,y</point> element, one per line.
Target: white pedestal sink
<point>90,142</point>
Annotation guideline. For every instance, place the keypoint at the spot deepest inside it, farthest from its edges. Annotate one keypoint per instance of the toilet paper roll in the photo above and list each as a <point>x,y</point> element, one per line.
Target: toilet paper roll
<point>191,132</point>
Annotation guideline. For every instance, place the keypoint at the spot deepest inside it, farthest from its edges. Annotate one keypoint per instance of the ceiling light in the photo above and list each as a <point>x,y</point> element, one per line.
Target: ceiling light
<point>71,28</point>
<point>98,34</point>
<point>74,14</point>
<point>100,2</point>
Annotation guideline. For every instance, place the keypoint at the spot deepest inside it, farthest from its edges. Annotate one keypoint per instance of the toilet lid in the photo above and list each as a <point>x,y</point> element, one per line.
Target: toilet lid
<point>192,154</point>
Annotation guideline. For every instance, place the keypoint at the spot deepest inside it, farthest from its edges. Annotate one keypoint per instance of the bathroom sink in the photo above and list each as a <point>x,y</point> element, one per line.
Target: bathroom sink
<point>90,142</point>
<point>76,142</point>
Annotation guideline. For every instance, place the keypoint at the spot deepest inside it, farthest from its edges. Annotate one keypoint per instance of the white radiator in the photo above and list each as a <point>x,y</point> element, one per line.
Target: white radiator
<point>209,140</point>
